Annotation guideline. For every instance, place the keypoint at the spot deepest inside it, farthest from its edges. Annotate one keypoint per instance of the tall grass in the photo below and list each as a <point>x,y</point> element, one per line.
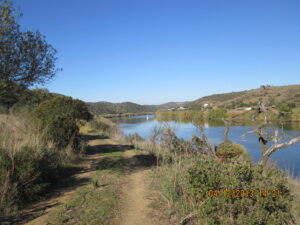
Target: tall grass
<point>102,126</point>
<point>29,161</point>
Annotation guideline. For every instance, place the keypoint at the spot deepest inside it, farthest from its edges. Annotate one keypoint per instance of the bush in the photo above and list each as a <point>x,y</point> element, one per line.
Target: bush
<point>188,180</point>
<point>31,157</point>
<point>295,115</point>
<point>105,127</point>
<point>25,176</point>
<point>217,113</point>
<point>100,126</point>
<point>27,163</point>
<point>59,116</point>
<point>232,151</point>
<point>284,109</point>
<point>209,174</point>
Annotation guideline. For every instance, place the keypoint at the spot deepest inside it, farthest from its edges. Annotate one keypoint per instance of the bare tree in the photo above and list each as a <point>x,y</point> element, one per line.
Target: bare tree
<point>227,129</point>
<point>264,137</point>
<point>202,142</point>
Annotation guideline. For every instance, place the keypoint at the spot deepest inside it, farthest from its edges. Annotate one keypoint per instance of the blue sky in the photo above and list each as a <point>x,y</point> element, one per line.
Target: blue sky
<point>155,51</point>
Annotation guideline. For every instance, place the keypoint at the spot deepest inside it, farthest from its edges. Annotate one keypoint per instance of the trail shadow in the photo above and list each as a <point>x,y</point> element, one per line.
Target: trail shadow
<point>60,183</point>
<point>87,137</point>
<point>39,208</point>
<point>68,181</point>
<point>108,148</point>
<point>141,161</point>
<point>28,216</point>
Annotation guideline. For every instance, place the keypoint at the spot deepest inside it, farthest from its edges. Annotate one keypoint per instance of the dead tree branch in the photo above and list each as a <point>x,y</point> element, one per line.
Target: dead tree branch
<point>264,137</point>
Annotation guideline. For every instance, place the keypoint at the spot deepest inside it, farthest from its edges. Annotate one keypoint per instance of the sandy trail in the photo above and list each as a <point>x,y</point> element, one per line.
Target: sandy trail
<point>41,210</point>
<point>134,193</point>
<point>135,197</point>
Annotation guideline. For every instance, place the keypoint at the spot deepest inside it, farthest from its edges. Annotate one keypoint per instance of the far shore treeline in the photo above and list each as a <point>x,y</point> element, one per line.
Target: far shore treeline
<point>236,106</point>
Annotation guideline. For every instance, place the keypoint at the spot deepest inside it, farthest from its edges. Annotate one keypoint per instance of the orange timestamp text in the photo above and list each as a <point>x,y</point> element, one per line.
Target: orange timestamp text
<point>243,193</point>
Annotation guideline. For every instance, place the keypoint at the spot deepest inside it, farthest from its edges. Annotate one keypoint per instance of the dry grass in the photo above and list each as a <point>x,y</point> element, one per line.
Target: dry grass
<point>290,93</point>
<point>17,132</point>
<point>294,185</point>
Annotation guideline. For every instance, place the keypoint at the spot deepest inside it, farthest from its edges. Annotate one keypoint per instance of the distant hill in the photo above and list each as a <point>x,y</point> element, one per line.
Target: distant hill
<point>271,94</point>
<point>170,105</point>
<point>124,107</point>
<point>129,107</point>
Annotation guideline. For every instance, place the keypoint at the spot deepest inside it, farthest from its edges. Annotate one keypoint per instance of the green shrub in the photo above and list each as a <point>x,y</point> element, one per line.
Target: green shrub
<point>218,113</point>
<point>232,151</point>
<point>284,109</point>
<point>295,114</point>
<point>23,177</point>
<point>59,116</point>
<point>207,175</point>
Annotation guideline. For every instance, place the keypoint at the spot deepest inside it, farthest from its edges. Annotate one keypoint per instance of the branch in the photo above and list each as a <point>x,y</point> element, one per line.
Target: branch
<point>274,148</point>
<point>226,130</point>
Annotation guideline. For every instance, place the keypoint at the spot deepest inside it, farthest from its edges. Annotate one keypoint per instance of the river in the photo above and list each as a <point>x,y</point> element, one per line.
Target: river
<point>288,158</point>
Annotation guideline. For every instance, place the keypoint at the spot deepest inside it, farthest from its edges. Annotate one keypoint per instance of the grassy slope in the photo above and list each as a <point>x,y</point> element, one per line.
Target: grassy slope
<point>290,94</point>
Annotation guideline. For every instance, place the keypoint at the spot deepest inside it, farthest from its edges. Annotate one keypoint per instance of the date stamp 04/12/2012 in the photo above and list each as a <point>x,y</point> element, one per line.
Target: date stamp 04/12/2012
<point>243,193</point>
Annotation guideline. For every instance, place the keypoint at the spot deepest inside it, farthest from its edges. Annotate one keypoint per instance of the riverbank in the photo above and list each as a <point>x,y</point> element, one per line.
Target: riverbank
<point>244,116</point>
<point>183,178</point>
<point>125,114</point>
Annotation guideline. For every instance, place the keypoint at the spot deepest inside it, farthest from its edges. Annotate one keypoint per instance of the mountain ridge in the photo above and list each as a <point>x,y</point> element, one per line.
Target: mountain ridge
<point>246,98</point>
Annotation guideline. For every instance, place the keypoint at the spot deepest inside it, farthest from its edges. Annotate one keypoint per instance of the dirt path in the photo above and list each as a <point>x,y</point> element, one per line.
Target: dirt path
<point>38,213</point>
<point>135,197</point>
<point>134,192</point>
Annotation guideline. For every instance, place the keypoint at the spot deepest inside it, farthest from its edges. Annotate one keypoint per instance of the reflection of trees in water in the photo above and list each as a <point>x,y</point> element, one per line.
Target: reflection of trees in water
<point>291,126</point>
<point>131,120</point>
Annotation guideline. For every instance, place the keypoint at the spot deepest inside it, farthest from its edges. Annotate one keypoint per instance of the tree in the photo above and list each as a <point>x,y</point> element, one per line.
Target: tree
<point>264,137</point>
<point>25,56</point>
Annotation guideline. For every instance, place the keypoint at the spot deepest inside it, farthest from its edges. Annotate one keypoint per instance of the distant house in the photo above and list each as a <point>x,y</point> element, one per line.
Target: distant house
<point>205,105</point>
<point>171,109</point>
<point>181,108</point>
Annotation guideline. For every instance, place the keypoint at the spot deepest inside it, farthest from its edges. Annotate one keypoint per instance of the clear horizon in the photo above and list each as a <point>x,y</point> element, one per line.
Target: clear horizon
<point>153,52</point>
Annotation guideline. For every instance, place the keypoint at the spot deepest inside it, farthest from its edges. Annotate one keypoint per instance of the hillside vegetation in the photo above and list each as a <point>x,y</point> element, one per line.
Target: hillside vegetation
<point>272,94</point>
<point>115,108</point>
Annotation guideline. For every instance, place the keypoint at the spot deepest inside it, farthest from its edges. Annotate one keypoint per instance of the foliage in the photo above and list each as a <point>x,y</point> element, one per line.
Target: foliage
<point>295,115</point>
<point>208,175</point>
<point>26,58</point>
<point>10,93</point>
<point>104,126</point>
<point>59,116</point>
<point>187,179</point>
<point>231,151</point>
<point>284,107</point>
<point>272,94</point>
<point>284,110</point>
<point>218,113</point>
<point>119,108</point>
<point>27,163</point>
